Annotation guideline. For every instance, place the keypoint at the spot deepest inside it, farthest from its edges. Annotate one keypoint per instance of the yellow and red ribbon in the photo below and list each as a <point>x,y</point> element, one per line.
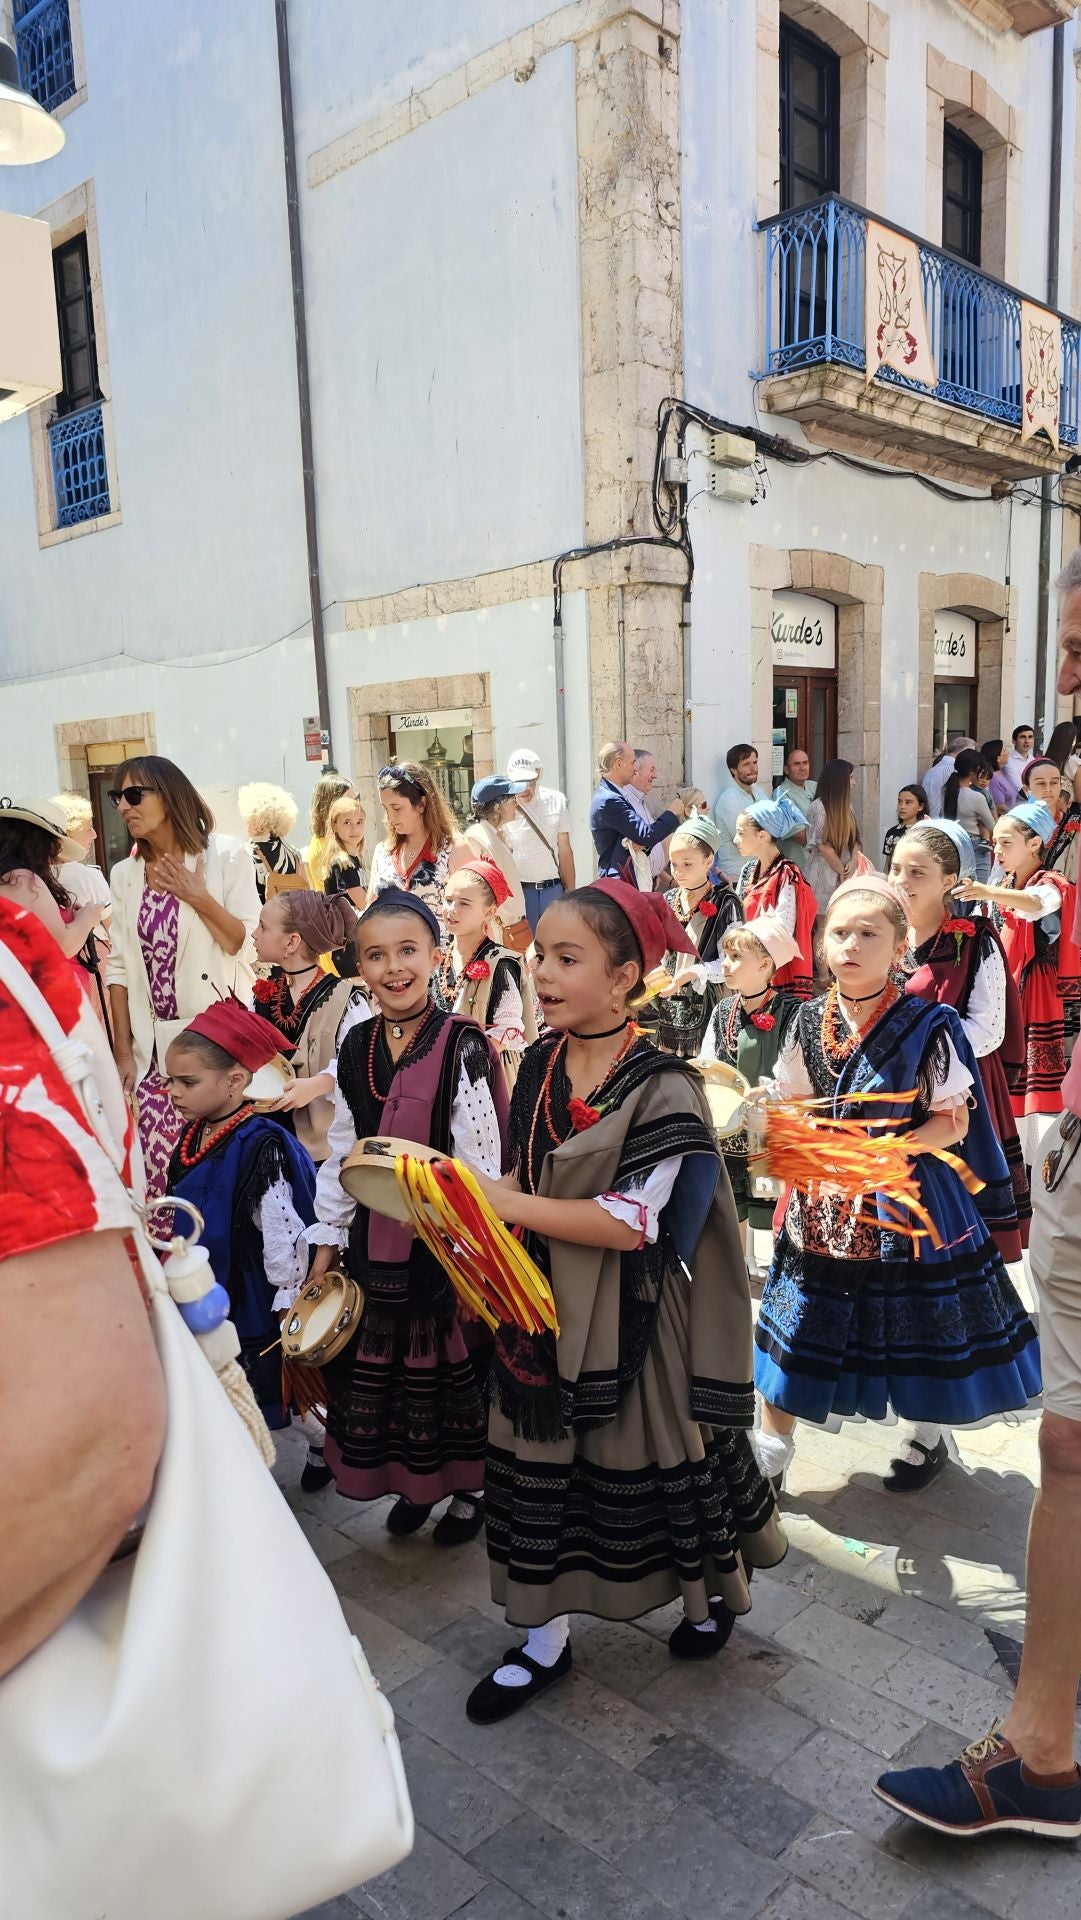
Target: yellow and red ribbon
<point>489,1269</point>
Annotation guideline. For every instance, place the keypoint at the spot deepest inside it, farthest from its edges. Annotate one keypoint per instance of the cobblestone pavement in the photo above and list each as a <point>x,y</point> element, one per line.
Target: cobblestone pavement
<point>640,1789</point>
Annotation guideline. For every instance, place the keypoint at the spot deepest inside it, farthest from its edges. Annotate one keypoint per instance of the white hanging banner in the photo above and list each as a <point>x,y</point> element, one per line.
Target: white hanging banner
<point>895,321</point>
<point>955,646</point>
<point>1041,372</point>
<point>804,631</point>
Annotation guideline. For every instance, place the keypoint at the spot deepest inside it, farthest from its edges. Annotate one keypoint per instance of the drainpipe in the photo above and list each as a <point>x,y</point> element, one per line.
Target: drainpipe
<point>300,329</point>
<point>1054,196</point>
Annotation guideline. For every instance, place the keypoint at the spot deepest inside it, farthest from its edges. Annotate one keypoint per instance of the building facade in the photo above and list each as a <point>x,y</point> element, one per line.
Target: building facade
<point>523,233</point>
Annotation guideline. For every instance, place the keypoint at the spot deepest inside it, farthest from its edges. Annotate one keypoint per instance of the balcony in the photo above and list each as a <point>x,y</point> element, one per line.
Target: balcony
<point>43,44</point>
<point>967,427</point>
<point>80,471</point>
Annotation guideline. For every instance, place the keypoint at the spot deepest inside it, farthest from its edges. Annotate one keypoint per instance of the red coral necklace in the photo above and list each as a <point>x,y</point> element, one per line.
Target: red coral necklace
<point>582,1112</point>
<point>199,1136</point>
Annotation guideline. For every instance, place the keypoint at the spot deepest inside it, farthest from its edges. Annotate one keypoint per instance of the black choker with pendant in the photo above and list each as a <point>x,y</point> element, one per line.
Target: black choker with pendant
<point>398,1026</point>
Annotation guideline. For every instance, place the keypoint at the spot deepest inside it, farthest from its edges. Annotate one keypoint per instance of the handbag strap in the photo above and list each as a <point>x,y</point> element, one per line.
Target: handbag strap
<point>541,835</point>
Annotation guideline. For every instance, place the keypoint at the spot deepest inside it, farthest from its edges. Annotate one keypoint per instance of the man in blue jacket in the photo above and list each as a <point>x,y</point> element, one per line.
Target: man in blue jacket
<point>612,819</point>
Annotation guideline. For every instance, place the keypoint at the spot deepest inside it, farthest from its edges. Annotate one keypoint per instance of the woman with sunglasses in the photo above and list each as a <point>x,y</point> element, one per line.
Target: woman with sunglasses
<point>184,906</point>
<point>422,845</point>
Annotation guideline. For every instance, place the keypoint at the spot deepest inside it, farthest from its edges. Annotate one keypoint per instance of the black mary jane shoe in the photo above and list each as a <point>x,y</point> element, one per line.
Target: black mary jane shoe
<point>453,1530</point>
<point>316,1475</point>
<point>903,1477</point>
<point>490,1702</point>
<point>406,1517</point>
<point>685,1642</point>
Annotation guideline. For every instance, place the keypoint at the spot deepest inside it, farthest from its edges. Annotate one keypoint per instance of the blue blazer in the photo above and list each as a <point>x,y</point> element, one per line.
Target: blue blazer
<point>612,820</point>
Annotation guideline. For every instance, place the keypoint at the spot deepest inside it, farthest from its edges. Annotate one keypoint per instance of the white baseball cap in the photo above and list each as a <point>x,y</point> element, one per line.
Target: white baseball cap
<point>523,764</point>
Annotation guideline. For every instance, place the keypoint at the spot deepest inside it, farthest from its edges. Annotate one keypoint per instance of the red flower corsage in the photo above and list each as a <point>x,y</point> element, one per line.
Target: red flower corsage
<point>961,930</point>
<point>582,1115</point>
<point>764,1021</point>
<point>1073,826</point>
<point>477,970</point>
<point>708,909</point>
<point>265,992</point>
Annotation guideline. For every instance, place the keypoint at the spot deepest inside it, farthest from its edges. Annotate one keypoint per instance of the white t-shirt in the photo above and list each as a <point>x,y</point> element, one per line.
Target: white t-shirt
<point>548,811</point>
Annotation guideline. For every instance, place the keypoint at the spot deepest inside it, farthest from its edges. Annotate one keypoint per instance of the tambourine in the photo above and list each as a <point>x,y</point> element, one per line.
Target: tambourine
<point>368,1174</point>
<point>268,1083</point>
<point>726,1096</point>
<point>322,1319</point>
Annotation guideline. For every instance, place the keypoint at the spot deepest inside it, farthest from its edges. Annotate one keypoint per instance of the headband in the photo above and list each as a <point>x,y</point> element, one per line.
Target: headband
<point>1039,760</point>
<point>652,921</point>
<point>401,782</point>
<point>954,831</point>
<point>867,883</point>
<point>492,876</point>
<point>1036,817</point>
<point>396,900</point>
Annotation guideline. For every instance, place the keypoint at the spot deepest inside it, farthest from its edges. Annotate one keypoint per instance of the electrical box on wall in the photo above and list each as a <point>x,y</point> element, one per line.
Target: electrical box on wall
<point>730,450</point>
<point>29,334</point>
<point>732,483</point>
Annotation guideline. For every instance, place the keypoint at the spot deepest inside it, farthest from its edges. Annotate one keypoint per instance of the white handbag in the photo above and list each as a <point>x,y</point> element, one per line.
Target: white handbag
<point>202,1739</point>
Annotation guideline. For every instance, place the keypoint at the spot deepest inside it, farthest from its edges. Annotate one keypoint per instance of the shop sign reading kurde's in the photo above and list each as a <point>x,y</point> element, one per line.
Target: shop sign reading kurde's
<point>804,631</point>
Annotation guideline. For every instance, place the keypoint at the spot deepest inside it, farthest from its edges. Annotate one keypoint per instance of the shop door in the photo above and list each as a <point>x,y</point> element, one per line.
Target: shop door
<point>955,710</point>
<point>804,715</point>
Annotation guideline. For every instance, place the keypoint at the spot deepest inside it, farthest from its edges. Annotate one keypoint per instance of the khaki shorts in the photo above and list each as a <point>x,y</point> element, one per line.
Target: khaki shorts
<point>1055,1265</point>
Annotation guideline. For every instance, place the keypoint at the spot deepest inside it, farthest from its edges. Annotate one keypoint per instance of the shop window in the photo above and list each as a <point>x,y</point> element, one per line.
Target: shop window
<point>442,742</point>
<point>804,644</point>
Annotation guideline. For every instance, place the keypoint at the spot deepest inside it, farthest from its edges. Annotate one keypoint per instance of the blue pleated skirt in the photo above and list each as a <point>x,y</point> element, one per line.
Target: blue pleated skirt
<point>852,1322</point>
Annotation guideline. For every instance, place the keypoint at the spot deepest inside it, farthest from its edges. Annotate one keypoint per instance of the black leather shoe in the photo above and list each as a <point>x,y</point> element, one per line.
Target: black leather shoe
<point>490,1702</point>
<point>316,1474</point>
<point>453,1530</point>
<point>903,1477</point>
<point>686,1643</point>
<point>406,1517</point>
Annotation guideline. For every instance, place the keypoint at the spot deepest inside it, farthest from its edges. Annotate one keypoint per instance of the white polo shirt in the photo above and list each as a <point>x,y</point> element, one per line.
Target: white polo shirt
<point>548,810</point>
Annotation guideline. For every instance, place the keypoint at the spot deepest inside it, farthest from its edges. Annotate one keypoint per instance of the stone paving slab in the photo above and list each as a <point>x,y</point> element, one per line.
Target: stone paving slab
<point>738,1789</point>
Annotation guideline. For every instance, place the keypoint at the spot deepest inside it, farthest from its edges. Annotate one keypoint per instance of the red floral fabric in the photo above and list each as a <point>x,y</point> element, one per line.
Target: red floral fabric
<point>55,1179</point>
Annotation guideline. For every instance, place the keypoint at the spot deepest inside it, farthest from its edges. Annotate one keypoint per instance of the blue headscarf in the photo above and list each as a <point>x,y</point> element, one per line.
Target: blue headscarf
<point>778,817</point>
<point>1036,817</point>
<point>954,831</point>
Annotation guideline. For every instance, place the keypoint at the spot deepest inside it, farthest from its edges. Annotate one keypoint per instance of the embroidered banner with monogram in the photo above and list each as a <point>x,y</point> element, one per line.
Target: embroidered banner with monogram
<point>1041,372</point>
<point>896,328</point>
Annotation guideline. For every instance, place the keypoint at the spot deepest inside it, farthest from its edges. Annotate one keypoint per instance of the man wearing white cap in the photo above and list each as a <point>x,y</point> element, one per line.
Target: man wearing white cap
<point>539,837</point>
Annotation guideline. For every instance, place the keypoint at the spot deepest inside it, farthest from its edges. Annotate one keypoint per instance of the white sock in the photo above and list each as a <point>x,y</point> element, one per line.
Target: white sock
<point>464,1506</point>
<point>704,1626</point>
<point>544,1645</point>
<point>928,1436</point>
<point>774,1452</point>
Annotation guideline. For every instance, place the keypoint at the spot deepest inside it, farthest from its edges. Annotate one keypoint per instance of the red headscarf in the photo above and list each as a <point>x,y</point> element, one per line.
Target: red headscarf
<point>653,923</point>
<point>491,875</point>
<point>246,1037</point>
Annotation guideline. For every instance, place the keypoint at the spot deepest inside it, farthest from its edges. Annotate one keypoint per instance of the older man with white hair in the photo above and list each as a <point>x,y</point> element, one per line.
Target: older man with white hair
<point>539,837</point>
<point>1022,1775</point>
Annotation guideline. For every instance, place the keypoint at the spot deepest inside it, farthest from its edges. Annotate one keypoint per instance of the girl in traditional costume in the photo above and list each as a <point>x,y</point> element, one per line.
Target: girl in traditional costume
<point>956,958</point>
<point>405,1413</point>
<point>620,1473</point>
<point>477,975</point>
<point>770,883</point>
<point>252,1182</point>
<point>1034,912</point>
<point>705,909</point>
<point>856,1319</point>
<point>312,1010</point>
<point>747,1031</point>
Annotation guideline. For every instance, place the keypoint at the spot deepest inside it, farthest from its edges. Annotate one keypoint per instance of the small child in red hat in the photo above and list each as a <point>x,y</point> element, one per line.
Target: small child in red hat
<point>253,1183</point>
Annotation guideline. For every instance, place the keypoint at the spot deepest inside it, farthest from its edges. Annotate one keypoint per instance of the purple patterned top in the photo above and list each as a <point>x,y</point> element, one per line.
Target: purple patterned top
<point>157,929</point>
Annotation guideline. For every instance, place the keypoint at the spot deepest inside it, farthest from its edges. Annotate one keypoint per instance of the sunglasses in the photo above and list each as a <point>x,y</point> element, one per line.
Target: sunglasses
<point>1053,1169</point>
<point>133,796</point>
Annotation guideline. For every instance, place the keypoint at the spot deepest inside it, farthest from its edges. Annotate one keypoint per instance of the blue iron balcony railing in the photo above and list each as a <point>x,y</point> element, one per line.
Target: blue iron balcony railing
<point>80,474</point>
<point>43,44</point>
<point>815,261</point>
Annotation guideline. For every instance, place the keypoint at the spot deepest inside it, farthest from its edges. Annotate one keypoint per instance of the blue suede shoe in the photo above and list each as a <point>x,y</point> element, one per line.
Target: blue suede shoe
<point>985,1791</point>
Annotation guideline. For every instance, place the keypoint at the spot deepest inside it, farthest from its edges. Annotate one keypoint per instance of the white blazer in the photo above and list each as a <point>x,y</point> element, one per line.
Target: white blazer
<point>203,971</point>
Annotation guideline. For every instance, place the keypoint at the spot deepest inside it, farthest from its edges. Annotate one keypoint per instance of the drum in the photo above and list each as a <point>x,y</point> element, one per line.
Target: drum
<point>268,1083</point>
<point>321,1320</point>
<point>726,1094</point>
<point>368,1174</point>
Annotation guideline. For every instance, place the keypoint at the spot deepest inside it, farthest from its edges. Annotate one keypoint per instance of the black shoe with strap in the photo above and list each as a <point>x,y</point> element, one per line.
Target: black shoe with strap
<point>406,1517</point>
<point>490,1702</point>
<point>906,1476</point>
<point>688,1642</point>
<point>454,1529</point>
